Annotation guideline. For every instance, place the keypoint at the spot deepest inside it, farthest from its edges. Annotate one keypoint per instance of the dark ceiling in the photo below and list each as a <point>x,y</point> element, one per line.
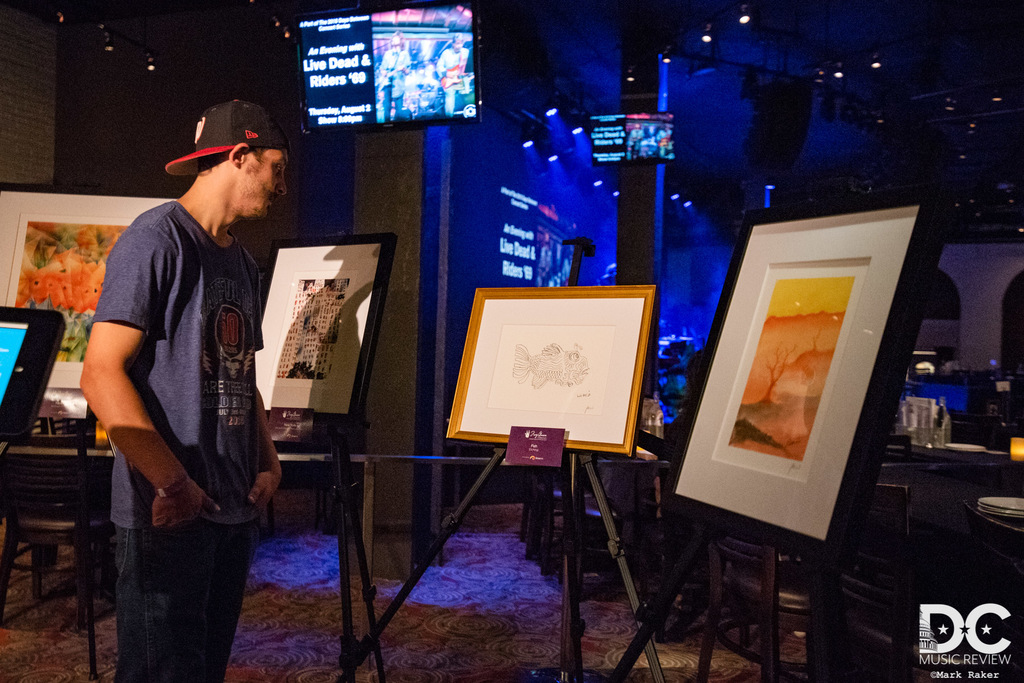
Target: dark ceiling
<point>760,103</point>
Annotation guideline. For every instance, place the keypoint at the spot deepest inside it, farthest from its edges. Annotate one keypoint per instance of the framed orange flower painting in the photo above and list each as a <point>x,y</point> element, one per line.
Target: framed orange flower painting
<point>54,251</point>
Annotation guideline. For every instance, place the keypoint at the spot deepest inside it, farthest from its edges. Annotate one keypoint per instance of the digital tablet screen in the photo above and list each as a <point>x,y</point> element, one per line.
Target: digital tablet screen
<point>12,335</point>
<point>29,341</point>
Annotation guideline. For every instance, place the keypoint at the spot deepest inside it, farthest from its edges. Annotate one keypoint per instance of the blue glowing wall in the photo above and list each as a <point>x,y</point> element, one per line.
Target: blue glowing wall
<point>512,208</point>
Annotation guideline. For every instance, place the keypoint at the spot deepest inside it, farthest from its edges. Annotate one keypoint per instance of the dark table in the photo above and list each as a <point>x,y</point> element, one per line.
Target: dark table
<point>936,500</point>
<point>950,566</point>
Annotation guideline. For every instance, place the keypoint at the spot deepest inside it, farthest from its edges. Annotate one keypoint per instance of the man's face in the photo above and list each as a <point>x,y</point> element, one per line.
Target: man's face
<point>263,182</point>
<point>459,40</point>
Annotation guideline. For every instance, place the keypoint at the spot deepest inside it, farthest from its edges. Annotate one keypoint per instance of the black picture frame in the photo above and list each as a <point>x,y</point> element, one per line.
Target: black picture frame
<point>856,458</point>
<point>374,254</point>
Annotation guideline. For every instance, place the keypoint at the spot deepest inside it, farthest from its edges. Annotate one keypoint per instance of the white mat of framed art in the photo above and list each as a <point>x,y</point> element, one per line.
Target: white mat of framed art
<point>805,363</point>
<point>562,357</point>
<point>321,320</point>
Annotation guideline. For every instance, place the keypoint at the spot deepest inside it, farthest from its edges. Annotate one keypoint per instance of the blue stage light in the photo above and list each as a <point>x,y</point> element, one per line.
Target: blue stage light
<point>577,130</point>
<point>552,111</point>
<point>687,204</point>
<point>528,144</point>
<point>553,158</point>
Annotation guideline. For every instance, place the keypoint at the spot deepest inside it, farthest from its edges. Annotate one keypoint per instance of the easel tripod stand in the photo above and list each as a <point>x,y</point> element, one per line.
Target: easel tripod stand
<point>571,664</point>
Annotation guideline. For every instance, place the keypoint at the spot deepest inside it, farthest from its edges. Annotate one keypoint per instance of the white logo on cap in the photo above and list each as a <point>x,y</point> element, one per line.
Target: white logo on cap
<point>199,128</point>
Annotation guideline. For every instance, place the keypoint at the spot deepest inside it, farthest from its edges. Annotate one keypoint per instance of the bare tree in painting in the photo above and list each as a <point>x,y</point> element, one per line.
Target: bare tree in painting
<point>776,367</point>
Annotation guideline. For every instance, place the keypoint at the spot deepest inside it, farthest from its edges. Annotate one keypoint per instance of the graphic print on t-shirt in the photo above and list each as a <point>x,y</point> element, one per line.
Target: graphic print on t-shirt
<point>228,354</point>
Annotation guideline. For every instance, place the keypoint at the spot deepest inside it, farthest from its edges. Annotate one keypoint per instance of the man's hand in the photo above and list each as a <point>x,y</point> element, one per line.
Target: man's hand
<point>182,507</point>
<point>265,486</point>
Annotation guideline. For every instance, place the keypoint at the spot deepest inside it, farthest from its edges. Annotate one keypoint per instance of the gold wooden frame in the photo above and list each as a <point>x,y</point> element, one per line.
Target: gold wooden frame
<point>547,311</point>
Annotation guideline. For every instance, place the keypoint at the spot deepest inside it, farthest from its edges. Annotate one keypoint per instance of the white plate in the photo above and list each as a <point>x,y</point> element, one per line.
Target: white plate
<point>1009,514</point>
<point>974,448</point>
<point>1005,514</point>
<point>1008,504</point>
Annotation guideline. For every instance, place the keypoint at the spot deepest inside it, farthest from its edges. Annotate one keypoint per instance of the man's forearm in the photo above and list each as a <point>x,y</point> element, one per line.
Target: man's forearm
<point>118,405</point>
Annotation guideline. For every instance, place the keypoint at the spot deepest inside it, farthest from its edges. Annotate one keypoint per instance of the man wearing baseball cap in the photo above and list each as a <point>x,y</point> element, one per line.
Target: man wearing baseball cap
<point>170,373</point>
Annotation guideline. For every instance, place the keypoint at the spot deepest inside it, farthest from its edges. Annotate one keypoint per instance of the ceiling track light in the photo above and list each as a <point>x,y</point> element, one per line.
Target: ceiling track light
<point>707,33</point>
<point>838,70</point>
<point>150,61</point>
<point>876,63</point>
<point>744,14</point>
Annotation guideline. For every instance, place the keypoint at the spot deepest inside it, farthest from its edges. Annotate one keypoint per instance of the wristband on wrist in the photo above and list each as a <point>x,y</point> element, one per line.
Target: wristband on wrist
<point>174,488</point>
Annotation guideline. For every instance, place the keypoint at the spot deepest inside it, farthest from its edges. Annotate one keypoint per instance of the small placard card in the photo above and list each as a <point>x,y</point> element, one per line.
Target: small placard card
<point>60,403</point>
<point>535,446</point>
<point>291,424</point>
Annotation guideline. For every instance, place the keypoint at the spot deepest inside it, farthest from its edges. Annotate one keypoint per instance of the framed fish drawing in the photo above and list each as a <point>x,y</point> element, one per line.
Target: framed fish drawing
<point>560,357</point>
<point>804,366</point>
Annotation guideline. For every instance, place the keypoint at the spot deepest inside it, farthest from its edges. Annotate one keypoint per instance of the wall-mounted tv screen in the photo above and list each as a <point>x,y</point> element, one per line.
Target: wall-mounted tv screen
<point>400,67</point>
<point>631,138</point>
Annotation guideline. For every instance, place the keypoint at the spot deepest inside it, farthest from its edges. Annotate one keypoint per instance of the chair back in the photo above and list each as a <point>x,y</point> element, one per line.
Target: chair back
<point>43,488</point>
<point>55,482</point>
<point>877,589</point>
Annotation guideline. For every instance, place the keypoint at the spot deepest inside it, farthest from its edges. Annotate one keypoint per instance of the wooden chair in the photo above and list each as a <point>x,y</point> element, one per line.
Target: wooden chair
<point>771,594</point>
<point>759,590</point>
<point>53,500</point>
<point>881,620</point>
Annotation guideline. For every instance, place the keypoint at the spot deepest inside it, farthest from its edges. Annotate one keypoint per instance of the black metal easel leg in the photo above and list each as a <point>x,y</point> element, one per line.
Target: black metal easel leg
<point>826,659</point>
<point>619,555</point>
<point>448,527</point>
<point>572,541</point>
<point>346,513</point>
<point>650,615</point>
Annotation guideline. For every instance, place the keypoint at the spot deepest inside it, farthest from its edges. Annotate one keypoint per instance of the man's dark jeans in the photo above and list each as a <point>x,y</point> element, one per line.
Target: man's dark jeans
<point>179,595</point>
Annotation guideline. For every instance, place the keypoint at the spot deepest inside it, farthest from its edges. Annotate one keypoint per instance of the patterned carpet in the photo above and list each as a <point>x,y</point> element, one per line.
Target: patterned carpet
<point>486,615</point>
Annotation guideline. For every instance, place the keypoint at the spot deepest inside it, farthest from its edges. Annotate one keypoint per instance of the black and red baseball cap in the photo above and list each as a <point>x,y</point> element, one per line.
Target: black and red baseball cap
<point>225,125</point>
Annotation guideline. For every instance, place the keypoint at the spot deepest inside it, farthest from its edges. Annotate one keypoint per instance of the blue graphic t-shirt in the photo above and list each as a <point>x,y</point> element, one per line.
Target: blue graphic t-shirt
<point>198,304</point>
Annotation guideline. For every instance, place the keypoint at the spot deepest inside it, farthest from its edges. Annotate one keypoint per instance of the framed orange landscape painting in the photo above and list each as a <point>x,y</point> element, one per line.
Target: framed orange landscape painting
<point>805,362</point>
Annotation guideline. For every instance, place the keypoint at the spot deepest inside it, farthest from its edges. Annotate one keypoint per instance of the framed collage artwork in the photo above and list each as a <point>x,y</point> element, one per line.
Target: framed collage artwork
<point>321,320</point>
